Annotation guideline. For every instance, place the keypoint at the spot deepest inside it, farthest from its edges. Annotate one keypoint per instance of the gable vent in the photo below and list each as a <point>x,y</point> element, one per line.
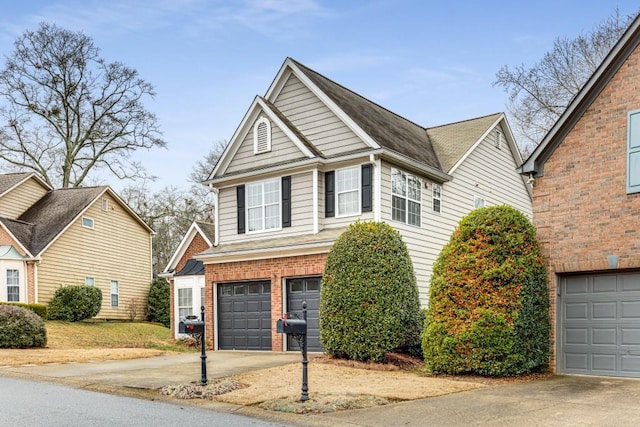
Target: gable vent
<point>262,136</point>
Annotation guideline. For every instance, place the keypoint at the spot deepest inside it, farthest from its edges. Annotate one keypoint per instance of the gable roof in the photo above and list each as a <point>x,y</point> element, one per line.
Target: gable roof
<point>49,217</point>
<point>583,99</point>
<point>205,229</point>
<point>9,181</point>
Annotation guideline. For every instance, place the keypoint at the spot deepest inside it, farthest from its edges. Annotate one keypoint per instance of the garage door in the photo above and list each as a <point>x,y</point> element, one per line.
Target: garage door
<point>600,324</point>
<point>244,316</point>
<point>298,291</point>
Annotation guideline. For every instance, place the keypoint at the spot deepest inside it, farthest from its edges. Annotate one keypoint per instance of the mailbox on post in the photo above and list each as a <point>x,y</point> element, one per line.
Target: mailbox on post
<point>297,328</point>
<point>191,326</point>
<point>291,326</point>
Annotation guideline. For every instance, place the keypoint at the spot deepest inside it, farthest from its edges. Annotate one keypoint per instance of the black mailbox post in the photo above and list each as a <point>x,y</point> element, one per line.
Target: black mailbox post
<point>297,328</point>
<point>195,328</point>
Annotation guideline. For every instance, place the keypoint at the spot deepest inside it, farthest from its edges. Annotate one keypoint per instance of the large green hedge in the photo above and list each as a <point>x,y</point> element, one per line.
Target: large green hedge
<point>39,309</point>
<point>158,306</point>
<point>75,302</point>
<point>369,298</point>
<point>489,301</point>
<point>21,328</point>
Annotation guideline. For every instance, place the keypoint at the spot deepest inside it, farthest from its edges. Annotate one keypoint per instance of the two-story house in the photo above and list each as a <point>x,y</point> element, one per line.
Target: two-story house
<point>72,236</point>
<point>309,158</point>
<point>586,201</point>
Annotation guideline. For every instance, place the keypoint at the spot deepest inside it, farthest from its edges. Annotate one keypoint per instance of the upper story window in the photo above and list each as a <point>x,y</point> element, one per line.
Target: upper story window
<point>89,281</point>
<point>348,191</point>
<point>263,205</point>
<point>406,199</point>
<point>262,136</point>
<point>478,202</point>
<point>499,139</point>
<point>437,197</point>
<point>87,222</point>
<point>633,152</point>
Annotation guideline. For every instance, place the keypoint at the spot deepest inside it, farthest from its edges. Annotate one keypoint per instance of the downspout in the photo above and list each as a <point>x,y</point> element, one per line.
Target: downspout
<point>315,201</point>
<point>377,205</point>
<point>216,216</point>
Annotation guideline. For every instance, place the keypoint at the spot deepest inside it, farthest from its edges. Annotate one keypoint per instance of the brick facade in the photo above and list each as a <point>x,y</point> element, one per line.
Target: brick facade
<point>581,209</point>
<point>275,270</point>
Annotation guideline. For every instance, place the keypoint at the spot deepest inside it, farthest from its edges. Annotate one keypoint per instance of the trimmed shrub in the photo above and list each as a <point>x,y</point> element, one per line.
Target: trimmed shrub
<point>489,299</point>
<point>39,309</point>
<point>369,301</point>
<point>74,303</point>
<point>21,328</point>
<point>158,307</point>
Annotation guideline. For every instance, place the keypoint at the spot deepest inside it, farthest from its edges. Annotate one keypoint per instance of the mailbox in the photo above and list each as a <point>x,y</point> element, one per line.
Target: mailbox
<point>291,326</point>
<point>191,327</point>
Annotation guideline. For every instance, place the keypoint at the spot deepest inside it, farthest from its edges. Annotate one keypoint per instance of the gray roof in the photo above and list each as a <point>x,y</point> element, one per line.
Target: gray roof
<point>9,180</point>
<point>388,129</point>
<point>452,141</point>
<point>209,230</point>
<point>192,268</point>
<point>49,216</point>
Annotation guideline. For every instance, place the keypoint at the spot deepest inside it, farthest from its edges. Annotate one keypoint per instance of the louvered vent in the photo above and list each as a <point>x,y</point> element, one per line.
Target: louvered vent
<point>262,136</point>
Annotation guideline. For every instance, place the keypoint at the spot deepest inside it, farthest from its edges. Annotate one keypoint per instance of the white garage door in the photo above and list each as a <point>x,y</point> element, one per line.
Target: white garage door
<point>600,324</point>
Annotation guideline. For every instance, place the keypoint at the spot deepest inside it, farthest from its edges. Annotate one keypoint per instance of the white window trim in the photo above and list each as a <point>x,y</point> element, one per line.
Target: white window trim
<point>256,146</point>
<point>407,199</point>
<point>246,209</point>
<point>89,281</point>
<point>358,189</point>
<point>13,285</point>
<point>476,199</point>
<point>111,293</point>
<point>434,198</point>
<point>631,189</point>
<point>86,225</point>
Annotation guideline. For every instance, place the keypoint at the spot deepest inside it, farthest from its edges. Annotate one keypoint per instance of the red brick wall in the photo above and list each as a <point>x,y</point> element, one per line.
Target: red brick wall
<point>274,270</point>
<point>581,209</point>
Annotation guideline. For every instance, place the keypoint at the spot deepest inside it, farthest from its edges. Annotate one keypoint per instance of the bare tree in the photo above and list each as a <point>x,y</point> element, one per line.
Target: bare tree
<point>539,94</point>
<point>69,114</point>
<point>203,167</point>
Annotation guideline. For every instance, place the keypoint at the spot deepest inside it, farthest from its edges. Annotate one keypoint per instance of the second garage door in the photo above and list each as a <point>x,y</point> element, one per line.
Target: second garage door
<point>298,291</point>
<point>244,316</point>
<point>600,324</point>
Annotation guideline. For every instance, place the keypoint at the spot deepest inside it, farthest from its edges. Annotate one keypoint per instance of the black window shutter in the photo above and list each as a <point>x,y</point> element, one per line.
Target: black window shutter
<point>329,194</point>
<point>367,205</point>
<point>240,204</point>
<point>286,201</point>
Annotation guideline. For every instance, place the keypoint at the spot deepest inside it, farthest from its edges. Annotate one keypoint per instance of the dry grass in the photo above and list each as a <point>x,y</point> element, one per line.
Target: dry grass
<point>94,341</point>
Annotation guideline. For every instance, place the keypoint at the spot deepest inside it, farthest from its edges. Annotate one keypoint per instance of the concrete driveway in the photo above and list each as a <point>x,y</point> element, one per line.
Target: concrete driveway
<point>557,401</point>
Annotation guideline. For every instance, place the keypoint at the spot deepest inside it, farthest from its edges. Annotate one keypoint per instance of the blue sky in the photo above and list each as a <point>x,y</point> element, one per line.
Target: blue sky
<point>431,62</point>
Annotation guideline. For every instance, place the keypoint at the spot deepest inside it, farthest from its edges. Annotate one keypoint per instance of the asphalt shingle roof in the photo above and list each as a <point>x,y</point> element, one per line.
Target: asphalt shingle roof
<point>8,180</point>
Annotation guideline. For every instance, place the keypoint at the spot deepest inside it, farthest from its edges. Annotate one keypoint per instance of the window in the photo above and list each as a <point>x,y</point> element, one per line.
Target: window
<point>633,152</point>
<point>114,293</point>
<point>478,202</point>
<point>13,285</point>
<point>185,302</point>
<point>406,197</point>
<point>262,136</point>
<point>437,197</point>
<point>348,191</point>
<point>87,222</point>
<point>105,205</point>
<point>89,281</point>
<point>499,138</point>
<point>263,205</point>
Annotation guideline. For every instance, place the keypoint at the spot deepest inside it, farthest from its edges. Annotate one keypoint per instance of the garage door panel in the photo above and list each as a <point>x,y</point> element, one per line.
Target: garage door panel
<point>244,316</point>
<point>299,291</point>
<point>600,324</point>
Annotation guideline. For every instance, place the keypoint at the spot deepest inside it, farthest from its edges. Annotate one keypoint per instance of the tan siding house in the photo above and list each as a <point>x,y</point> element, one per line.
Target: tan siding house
<point>81,236</point>
<point>282,204</point>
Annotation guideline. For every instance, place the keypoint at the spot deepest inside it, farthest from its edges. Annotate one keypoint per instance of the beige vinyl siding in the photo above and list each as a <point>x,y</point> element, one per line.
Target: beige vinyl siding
<point>314,119</point>
<point>301,212</point>
<point>282,150</point>
<point>17,201</point>
<point>424,242</point>
<point>117,248</point>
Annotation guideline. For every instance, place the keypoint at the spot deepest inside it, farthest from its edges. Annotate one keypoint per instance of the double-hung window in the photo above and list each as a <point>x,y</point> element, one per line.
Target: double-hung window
<point>633,152</point>
<point>114,293</point>
<point>348,191</point>
<point>13,285</point>
<point>185,302</point>
<point>263,205</point>
<point>437,197</point>
<point>406,203</point>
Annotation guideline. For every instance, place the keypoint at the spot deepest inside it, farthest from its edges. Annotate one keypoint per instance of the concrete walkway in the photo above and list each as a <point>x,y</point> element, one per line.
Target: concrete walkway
<point>557,401</point>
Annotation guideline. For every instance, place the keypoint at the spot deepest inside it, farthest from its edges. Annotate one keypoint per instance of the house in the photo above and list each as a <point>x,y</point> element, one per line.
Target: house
<point>309,158</point>
<point>71,236</point>
<point>186,274</point>
<point>586,202</point>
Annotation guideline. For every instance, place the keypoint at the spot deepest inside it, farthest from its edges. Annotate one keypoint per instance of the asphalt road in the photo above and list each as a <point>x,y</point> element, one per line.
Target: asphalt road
<point>35,404</point>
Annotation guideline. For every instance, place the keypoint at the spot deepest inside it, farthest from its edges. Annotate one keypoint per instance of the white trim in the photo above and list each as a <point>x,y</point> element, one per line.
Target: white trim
<point>358,190</point>
<point>257,146</point>
<point>267,253</point>
<point>215,311</point>
<point>315,202</point>
<point>377,180</point>
<point>13,237</point>
<point>193,230</point>
<point>90,223</point>
<point>475,145</point>
<point>406,197</point>
<point>283,285</point>
<point>35,280</point>
<point>263,205</point>
<point>26,178</point>
<point>216,215</point>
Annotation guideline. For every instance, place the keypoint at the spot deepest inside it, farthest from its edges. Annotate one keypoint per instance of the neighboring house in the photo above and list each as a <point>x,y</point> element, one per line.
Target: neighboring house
<point>311,157</point>
<point>72,236</point>
<point>186,275</point>
<point>587,212</point>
